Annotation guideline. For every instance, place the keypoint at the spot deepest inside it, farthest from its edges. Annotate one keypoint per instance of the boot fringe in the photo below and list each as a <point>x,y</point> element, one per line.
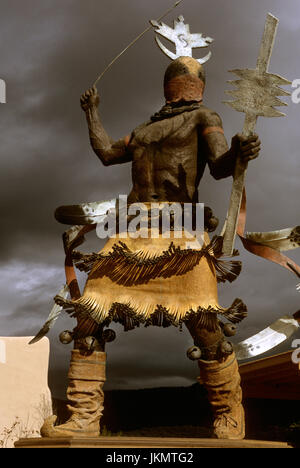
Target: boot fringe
<point>128,268</point>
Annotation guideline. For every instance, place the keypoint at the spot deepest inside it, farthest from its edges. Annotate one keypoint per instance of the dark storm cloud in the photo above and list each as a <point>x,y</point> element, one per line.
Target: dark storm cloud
<point>51,51</point>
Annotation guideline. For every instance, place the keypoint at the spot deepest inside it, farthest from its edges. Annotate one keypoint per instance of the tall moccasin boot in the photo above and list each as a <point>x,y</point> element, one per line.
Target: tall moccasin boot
<point>85,397</point>
<point>222,382</point>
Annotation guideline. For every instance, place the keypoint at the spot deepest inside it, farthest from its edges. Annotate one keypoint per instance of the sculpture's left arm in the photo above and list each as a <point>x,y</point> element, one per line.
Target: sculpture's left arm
<point>220,158</point>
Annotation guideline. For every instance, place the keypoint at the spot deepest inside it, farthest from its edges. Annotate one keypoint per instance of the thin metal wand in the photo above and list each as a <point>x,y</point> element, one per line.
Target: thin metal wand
<point>135,40</point>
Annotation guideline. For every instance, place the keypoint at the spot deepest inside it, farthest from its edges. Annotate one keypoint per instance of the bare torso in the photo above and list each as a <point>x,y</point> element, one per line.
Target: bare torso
<point>166,164</point>
<point>169,153</point>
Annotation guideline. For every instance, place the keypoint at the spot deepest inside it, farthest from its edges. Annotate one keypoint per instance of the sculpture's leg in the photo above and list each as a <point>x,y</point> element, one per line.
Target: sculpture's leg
<point>85,397</point>
<point>86,380</point>
<point>220,376</point>
<point>222,382</point>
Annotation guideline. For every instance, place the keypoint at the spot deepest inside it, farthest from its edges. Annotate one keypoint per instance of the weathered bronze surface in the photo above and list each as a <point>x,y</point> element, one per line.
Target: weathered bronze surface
<point>159,282</point>
<point>168,154</point>
<point>162,286</point>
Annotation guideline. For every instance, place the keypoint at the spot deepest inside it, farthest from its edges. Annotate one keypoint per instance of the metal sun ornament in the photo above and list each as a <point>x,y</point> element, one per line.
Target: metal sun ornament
<point>184,41</point>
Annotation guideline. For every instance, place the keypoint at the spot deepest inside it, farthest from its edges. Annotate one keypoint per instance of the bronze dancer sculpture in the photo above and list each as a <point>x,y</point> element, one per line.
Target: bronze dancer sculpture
<point>168,156</point>
<point>158,281</point>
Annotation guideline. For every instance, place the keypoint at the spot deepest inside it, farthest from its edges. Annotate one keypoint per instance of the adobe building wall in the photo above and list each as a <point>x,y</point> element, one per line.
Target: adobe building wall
<point>25,398</point>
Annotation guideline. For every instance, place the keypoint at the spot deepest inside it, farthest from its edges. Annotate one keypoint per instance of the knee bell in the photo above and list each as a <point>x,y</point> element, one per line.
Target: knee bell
<point>229,329</point>
<point>194,353</point>
<point>66,337</point>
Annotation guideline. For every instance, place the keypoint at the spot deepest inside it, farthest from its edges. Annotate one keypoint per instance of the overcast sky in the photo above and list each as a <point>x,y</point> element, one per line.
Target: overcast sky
<point>53,50</point>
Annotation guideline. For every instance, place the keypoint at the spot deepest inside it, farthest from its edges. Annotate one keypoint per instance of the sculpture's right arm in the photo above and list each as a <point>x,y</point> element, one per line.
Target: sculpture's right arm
<point>107,151</point>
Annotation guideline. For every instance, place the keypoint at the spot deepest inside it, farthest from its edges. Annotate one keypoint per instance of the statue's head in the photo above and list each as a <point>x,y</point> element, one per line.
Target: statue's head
<point>184,80</point>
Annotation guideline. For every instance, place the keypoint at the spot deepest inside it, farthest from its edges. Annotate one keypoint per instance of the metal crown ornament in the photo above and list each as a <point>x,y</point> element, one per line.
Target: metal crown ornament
<point>184,41</point>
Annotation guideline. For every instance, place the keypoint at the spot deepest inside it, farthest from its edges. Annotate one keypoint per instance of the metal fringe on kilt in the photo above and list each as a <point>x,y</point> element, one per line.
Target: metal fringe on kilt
<point>130,318</point>
<point>129,268</point>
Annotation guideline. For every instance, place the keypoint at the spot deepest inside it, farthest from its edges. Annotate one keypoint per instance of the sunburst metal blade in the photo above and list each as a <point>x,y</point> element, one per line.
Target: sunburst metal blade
<point>165,50</point>
<point>267,339</point>
<point>183,40</point>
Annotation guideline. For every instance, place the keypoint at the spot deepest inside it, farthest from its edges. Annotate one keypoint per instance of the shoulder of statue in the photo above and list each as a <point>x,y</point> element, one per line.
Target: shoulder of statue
<point>140,127</point>
<point>208,118</point>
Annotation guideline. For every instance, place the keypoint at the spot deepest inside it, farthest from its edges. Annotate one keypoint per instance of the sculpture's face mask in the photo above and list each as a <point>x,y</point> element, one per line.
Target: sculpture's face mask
<point>184,80</point>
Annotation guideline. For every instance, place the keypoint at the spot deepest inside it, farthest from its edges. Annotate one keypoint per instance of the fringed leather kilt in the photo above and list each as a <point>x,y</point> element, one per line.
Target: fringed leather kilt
<point>155,281</point>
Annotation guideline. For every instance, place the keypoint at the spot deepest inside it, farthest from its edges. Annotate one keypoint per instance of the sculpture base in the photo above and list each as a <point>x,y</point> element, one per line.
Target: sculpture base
<point>145,442</point>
